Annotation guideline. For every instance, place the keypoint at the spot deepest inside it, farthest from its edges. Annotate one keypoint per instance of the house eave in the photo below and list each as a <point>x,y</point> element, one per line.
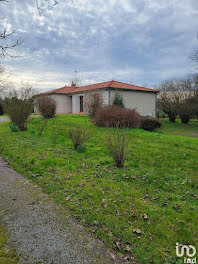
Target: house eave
<point>112,88</point>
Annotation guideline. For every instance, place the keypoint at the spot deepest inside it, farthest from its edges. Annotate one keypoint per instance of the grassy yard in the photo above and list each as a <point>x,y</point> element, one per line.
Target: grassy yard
<point>177,128</point>
<point>141,210</point>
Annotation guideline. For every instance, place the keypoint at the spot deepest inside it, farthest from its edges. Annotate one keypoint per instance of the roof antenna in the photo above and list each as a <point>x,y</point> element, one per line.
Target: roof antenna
<point>75,74</point>
<point>113,76</point>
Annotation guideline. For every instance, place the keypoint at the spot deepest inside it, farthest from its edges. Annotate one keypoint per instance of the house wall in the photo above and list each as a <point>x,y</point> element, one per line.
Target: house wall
<point>76,100</point>
<point>76,103</point>
<point>143,102</point>
<point>63,103</point>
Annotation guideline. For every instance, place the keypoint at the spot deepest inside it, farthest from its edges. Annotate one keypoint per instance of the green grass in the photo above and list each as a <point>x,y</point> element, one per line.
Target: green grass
<point>177,128</point>
<point>7,256</point>
<point>159,179</point>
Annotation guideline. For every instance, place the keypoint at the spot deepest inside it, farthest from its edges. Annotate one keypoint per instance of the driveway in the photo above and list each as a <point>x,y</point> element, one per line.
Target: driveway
<point>6,118</point>
<point>40,230</point>
<point>3,119</point>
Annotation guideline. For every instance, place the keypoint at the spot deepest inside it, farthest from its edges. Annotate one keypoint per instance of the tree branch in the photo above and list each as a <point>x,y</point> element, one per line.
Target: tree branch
<point>43,5</point>
<point>4,48</point>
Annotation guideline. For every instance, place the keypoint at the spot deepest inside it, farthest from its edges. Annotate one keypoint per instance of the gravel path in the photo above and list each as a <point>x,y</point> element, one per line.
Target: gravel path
<point>6,118</point>
<point>40,230</point>
<point>3,119</point>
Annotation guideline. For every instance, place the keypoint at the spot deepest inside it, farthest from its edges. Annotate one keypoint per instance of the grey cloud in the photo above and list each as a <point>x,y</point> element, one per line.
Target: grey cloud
<point>131,40</point>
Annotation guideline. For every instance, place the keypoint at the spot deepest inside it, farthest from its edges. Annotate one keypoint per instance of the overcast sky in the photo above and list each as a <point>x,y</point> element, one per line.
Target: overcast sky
<point>135,41</point>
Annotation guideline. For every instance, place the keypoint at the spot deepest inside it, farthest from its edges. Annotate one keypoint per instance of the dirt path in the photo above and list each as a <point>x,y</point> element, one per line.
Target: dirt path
<point>40,230</point>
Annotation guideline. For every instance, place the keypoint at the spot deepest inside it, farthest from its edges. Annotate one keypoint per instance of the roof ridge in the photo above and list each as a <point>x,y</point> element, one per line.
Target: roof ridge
<point>111,82</point>
<point>133,85</point>
<point>108,84</point>
<point>92,84</point>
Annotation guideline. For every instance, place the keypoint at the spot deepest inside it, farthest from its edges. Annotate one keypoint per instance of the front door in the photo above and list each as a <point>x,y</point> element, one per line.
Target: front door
<point>81,103</point>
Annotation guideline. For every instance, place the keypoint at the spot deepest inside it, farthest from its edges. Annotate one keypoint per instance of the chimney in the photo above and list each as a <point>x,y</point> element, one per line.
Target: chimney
<point>73,84</point>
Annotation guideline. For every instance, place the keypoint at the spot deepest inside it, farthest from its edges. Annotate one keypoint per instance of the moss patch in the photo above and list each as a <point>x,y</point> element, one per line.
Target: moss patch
<point>7,256</point>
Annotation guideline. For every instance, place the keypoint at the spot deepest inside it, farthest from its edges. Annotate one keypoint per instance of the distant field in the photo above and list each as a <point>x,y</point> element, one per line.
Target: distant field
<point>156,193</point>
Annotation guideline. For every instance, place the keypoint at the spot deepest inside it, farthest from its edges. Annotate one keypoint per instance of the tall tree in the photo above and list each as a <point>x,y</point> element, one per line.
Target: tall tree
<point>178,98</point>
<point>168,99</point>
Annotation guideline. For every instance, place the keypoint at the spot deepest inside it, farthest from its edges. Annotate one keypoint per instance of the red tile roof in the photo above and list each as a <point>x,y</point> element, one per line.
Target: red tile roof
<point>110,84</point>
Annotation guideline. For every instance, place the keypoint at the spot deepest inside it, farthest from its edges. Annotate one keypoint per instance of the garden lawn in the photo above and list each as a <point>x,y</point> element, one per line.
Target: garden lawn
<point>141,210</point>
<point>177,128</point>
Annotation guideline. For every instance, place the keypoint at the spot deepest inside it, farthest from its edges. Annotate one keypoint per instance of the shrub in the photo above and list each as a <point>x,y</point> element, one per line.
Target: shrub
<point>78,136</point>
<point>19,106</point>
<point>14,127</point>
<point>81,148</point>
<point>150,123</point>
<point>93,102</point>
<point>116,116</point>
<point>118,100</point>
<point>117,146</point>
<point>47,107</point>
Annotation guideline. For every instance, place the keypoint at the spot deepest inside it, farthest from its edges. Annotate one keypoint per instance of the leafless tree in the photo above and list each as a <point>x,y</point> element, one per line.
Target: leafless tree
<point>7,41</point>
<point>176,98</point>
<point>195,56</point>
<point>168,99</point>
<point>6,37</point>
<point>6,47</point>
<point>186,90</point>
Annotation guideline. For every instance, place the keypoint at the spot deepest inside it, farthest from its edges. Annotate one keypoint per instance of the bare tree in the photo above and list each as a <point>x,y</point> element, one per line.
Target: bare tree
<point>176,98</point>
<point>6,37</point>
<point>186,89</point>
<point>168,99</point>
<point>7,41</point>
<point>195,56</point>
<point>6,47</point>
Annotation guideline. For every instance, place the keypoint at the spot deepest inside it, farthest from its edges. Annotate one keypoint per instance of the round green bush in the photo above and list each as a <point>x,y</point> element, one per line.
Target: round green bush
<point>150,123</point>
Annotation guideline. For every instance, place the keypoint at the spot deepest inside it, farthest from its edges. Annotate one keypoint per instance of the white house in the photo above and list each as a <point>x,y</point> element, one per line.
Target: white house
<point>71,99</point>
